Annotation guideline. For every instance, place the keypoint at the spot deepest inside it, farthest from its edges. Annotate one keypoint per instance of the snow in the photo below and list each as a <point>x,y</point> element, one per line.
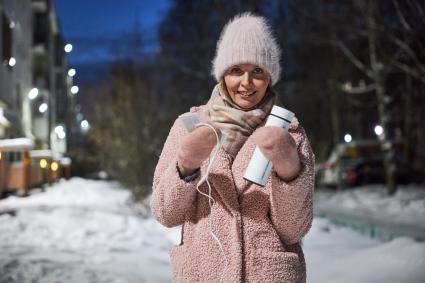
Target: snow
<point>65,161</point>
<point>81,231</point>
<point>41,153</point>
<point>337,254</point>
<point>403,211</point>
<point>409,200</point>
<point>19,143</point>
<point>46,153</point>
<point>91,232</point>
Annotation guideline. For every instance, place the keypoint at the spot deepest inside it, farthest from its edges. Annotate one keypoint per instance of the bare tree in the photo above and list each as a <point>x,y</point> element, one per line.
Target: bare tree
<point>382,41</point>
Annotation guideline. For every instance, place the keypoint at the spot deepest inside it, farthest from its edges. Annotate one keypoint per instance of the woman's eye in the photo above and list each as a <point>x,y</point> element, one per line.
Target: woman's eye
<point>235,71</point>
<point>258,71</point>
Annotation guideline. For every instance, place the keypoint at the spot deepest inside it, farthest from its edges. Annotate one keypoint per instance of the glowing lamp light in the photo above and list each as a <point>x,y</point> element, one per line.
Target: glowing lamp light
<point>348,138</point>
<point>12,62</point>
<point>0,155</point>
<point>43,163</point>
<point>61,135</point>
<point>68,48</point>
<point>379,130</point>
<point>54,166</point>
<point>58,129</point>
<point>43,108</point>
<point>85,125</point>
<point>74,89</point>
<point>71,72</point>
<point>33,93</point>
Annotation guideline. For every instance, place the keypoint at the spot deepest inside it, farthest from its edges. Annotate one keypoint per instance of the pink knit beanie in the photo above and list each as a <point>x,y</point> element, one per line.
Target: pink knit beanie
<point>247,39</point>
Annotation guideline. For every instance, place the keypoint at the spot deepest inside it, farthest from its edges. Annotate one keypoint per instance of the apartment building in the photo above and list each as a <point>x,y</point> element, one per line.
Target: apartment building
<point>34,85</point>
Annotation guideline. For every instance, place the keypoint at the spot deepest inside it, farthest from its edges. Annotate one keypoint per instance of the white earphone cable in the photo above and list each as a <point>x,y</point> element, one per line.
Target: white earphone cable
<point>211,200</point>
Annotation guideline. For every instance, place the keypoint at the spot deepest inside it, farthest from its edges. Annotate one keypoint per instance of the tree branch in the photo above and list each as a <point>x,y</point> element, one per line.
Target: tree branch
<point>348,88</point>
<point>401,16</point>
<point>418,8</point>
<point>354,59</point>
<point>410,71</point>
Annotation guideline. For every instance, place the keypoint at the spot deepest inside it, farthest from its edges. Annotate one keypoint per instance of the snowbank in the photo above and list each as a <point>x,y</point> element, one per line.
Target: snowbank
<point>404,212</point>
<point>337,254</point>
<point>81,231</point>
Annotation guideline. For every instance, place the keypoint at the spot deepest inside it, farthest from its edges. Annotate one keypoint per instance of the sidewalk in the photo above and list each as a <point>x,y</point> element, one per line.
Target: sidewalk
<point>369,210</point>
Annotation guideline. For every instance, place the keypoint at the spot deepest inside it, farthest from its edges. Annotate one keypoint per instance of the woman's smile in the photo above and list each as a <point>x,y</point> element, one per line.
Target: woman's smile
<point>246,85</point>
<point>245,94</point>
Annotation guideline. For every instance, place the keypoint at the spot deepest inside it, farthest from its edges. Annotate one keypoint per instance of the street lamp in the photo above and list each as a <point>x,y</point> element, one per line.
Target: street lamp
<point>12,61</point>
<point>74,89</point>
<point>68,48</point>
<point>348,138</point>
<point>85,125</point>
<point>43,108</point>
<point>61,135</point>
<point>33,93</point>
<point>71,72</point>
<point>59,130</point>
<point>379,130</point>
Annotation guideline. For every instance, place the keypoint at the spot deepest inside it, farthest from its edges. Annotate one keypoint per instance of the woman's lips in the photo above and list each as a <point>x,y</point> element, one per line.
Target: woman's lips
<point>246,94</point>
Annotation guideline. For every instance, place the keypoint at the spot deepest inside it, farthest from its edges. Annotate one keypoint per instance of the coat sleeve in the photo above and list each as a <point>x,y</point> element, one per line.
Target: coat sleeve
<point>291,209</point>
<point>172,197</point>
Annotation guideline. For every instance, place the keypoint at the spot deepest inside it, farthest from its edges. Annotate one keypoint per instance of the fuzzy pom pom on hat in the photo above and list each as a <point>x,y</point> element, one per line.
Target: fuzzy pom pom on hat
<point>247,39</point>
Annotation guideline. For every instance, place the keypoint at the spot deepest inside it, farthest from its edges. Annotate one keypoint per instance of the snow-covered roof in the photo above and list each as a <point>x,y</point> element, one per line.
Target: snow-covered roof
<point>16,144</point>
<point>38,153</point>
<point>57,156</point>
<point>65,161</point>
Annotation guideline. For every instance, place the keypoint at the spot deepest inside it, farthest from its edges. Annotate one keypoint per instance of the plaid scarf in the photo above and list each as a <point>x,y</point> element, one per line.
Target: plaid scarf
<point>235,124</point>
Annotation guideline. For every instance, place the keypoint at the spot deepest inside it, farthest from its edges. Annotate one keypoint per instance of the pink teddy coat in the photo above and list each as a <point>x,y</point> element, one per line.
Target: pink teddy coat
<point>260,228</point>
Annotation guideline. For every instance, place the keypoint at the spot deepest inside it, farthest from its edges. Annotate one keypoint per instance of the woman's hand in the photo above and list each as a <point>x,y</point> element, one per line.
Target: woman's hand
<point>194,149</point>
<point>280,148</point>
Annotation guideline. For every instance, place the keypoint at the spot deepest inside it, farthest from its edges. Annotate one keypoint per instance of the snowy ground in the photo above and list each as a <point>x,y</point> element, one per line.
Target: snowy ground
<point>81,231</point>
<point>335,255</point>
<point>89,232</point>
<point>406,209</point>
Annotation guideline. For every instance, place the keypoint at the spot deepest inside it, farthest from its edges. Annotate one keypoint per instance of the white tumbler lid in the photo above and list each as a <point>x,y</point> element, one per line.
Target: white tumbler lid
<point>282,113</point>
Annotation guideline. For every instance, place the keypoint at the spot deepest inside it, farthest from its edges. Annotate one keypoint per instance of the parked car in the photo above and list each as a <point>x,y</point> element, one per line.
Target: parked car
<point>359,163</point>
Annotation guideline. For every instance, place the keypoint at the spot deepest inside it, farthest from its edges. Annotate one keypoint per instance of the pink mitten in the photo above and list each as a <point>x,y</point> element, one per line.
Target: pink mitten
<point>280,148</point>
<point>195,148</point>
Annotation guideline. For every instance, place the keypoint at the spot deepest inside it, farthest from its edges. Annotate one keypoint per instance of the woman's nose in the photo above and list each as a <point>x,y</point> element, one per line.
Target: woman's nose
<point>246,80</point>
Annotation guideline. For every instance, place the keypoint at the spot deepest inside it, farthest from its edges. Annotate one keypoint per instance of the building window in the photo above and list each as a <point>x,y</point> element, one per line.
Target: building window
<point>7,39</point>
<point>41,29</point>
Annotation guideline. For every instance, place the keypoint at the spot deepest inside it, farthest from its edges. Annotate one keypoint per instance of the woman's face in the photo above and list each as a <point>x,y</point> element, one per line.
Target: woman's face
<point>246,84</point>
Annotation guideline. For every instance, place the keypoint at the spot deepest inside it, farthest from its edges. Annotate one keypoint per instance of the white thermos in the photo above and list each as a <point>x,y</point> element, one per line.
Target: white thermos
<point>259,167</point>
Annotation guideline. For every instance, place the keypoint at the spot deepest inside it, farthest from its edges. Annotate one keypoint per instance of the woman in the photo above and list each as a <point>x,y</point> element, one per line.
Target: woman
<point>250,233</point>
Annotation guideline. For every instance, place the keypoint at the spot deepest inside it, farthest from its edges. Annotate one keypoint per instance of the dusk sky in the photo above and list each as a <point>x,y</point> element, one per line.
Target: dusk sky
<point>96,27</point>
